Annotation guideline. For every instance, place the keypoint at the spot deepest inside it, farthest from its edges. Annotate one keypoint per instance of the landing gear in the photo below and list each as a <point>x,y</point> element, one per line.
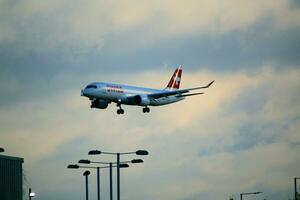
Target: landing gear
<point>120,110</point>
<point>146,110</point>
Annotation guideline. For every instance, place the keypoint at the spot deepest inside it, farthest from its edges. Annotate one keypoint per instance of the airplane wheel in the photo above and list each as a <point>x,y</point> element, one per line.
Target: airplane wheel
<point>120,111</point>
<point>146,110</point>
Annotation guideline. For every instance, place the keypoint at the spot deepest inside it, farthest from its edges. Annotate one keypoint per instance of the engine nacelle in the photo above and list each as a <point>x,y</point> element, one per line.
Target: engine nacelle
<point>101,104</point>
<point>141,100</point>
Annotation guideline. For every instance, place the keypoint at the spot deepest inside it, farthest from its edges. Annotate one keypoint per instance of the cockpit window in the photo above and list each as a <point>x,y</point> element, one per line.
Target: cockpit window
<point>91,86</point>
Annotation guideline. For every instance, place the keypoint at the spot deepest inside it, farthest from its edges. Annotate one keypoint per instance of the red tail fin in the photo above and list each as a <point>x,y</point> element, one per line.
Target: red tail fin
<point>174,83</point>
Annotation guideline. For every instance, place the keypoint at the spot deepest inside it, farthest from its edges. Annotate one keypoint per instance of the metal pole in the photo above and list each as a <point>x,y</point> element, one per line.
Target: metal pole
<point>98,183</point>
<point>29,193</point>
<point>86,188</point>
<point>118,176</point>
<point>110,181</point>
<point>295,184</point>
<point>241,196</point>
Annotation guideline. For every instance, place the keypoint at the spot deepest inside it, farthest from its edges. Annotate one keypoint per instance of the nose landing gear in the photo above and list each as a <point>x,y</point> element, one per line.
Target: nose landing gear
<point>146,110</point>
<point>120,110</point>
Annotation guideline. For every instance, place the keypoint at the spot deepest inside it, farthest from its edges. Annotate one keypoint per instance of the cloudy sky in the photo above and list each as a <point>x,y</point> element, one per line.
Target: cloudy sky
<point>241,136</point>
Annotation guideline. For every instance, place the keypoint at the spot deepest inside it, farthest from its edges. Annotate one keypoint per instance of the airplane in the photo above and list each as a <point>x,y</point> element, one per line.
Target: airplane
<point>101,94</point>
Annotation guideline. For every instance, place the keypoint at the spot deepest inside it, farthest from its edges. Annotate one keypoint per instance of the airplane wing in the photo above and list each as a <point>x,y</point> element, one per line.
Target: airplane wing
<point>178,92</point>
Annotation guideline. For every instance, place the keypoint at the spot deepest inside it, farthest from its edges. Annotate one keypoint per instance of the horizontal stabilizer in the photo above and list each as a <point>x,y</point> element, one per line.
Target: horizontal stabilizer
<point>186,95</point>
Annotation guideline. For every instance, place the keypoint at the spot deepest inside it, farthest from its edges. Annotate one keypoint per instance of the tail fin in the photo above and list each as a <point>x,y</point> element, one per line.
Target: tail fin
<point>174,83</point>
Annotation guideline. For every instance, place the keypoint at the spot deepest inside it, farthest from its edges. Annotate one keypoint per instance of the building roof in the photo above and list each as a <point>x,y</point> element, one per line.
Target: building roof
<point>11,158</point>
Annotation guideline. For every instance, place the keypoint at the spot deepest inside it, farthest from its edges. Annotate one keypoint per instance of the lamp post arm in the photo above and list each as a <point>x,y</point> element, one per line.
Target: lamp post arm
<point>247,193</point>
<point>98,162</point>
<point>107,163</point>
<point>124,162</point>
<point>115,153</point>
<point>88,167</point>
<point>110,153</point>
<point>124,153</point>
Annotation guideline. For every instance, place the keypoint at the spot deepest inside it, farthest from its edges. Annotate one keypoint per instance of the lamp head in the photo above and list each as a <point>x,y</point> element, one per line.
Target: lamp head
<point>137,161</point>
<point>124,165</point>
<point>141,152</point>
<point>86,173</point>
<point>82,161</point>
<point>31,194</point>
<point>73,166</point>
<point>94,152</point>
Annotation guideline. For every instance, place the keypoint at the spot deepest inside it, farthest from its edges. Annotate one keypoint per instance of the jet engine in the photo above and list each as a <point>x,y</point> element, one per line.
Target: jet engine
<point>141,100</point>
<point>101,104</point>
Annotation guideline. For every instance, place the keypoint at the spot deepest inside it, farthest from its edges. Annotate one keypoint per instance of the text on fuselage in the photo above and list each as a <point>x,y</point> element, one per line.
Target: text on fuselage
<point>114,88</point>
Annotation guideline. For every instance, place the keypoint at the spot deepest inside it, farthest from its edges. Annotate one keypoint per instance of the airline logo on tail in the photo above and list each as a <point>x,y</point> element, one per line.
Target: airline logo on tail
<point>174,83</point>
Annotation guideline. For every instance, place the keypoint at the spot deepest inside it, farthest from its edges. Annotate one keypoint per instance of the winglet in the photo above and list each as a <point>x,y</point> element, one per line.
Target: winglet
<point>186,95</point>
<point>210,84</point>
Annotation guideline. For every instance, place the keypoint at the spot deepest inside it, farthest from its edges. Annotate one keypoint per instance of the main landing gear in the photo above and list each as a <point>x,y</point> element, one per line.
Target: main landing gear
<point>146,110</point>
<point>120,110</point>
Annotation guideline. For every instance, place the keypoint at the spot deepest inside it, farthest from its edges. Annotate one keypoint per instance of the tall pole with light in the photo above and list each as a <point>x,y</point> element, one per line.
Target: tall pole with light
<point>110,182</point>
<point>295,185</point>
<point>86,174</point>
<point>248,193</point>
<point>138,152</point>
<point>74,166</point>
<point>122,165</point>
<point>98,183</point>
<point>31,194</point>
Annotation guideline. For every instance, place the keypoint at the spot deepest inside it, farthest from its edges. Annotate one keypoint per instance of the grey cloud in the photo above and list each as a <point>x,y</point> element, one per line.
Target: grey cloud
<point>42,46</point>
<point>234,51</point>
<point>249,136</point>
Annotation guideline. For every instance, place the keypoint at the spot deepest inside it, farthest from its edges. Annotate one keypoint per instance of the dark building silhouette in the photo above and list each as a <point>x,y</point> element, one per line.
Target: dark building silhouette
<point>11,178</point>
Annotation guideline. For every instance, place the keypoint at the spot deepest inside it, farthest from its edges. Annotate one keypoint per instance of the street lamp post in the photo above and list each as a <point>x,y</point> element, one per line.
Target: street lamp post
<point>98,183</point>
<point>110,182</point>
<point>248,193</point>
<point>138,152</point>
<point>123,165</point>
<point>30,194</point>
<point>118,176</point>
<point>295,184</point>
<point>86,174</point>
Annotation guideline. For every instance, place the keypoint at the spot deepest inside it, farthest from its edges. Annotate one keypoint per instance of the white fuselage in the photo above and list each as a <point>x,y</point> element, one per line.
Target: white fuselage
<point>123,94</point>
